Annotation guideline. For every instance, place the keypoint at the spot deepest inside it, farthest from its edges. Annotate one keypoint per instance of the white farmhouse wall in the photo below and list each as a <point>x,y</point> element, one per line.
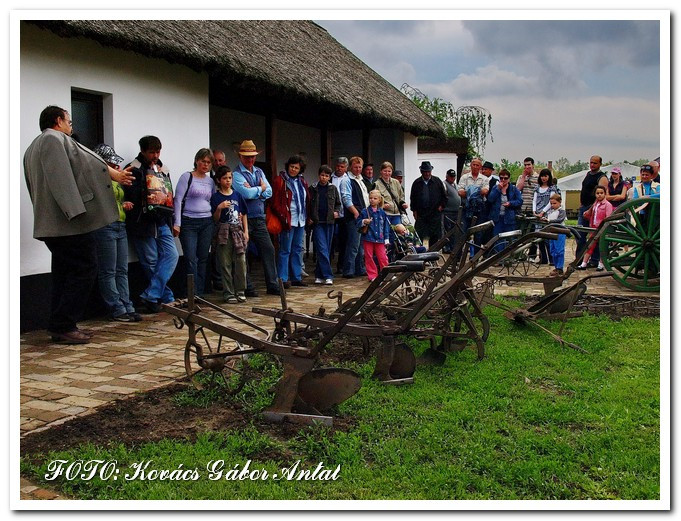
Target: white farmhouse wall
<point>147,96</point>
<point>441,162</point>
<point>408,163</point>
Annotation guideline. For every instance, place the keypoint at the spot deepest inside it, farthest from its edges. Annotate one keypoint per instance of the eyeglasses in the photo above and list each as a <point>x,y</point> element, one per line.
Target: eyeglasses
<point>504,177</point>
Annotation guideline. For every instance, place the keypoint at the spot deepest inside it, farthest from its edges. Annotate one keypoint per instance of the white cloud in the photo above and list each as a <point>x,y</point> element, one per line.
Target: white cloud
<point>615,128</point>
<point>485,81</point>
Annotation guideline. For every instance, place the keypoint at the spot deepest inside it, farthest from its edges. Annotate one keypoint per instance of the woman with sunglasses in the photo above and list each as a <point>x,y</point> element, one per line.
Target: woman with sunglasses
<point>504,201</point>
<point>617,188</point>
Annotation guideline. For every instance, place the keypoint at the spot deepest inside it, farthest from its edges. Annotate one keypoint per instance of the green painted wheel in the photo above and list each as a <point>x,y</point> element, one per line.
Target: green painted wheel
<point>630,244</point>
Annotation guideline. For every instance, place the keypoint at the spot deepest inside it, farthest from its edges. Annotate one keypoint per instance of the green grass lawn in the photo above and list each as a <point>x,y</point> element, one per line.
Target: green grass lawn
<point>533,420</point>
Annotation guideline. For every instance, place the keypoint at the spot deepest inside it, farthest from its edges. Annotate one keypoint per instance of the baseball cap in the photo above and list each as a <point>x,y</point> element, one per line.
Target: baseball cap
<point>107,153</point>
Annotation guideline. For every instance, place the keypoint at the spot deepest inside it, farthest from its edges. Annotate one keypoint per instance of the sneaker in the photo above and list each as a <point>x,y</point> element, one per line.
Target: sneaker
<point>123,317</point>
<point>328,282</point>
<point>135,317</point>
<point>600,267</point>
<point>231,300</point>
<point>319,281</point>
<point>299,283</point>
<point>241,298</point>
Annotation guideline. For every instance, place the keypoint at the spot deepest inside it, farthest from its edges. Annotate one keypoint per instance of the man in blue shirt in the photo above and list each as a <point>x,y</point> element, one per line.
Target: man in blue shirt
<point>251,183</point>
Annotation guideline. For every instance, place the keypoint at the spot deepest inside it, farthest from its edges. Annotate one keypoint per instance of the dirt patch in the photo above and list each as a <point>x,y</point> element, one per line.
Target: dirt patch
<point>349,349</point>
<point>153,416</point>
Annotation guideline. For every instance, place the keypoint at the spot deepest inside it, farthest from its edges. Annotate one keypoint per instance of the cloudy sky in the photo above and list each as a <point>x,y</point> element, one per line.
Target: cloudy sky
<point>557,88</point>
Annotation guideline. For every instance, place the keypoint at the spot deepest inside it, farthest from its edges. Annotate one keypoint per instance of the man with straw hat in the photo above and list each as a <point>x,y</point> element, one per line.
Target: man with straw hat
<point>251,183</point>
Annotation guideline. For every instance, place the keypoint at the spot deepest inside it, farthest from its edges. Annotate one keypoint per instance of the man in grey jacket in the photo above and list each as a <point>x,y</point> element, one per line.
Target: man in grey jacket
<point>451,210</point>
<point>70,188</point>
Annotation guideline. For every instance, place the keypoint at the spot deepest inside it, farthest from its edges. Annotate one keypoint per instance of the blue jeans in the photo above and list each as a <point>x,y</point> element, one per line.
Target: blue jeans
<point>449,221</point>
<point>259,237</point>
<point>557,250</point>
<point>158,258</point>
<point>112,266</point>
<point>322,235</point>
<point>582,237</point>
<point>195,237</point>
<point>353,264</point>
<point>291,247</point>
<point>501,227</point>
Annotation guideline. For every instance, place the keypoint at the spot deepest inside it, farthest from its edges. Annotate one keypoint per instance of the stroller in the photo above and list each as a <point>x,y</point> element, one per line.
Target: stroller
<point>405,241</point>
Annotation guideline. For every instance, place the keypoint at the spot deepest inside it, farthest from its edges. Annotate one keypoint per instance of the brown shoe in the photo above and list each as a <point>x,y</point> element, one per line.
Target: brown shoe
<point>556,273</point>
<point>71,337</point>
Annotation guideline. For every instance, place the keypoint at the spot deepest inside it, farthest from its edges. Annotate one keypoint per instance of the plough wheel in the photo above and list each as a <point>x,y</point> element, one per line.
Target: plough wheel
<point>208,366</point>
<point>630,246</point>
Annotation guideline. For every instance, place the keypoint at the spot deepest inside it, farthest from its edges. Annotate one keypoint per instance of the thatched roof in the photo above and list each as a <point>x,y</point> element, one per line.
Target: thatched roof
<point>293,69</point>
<point>456,145</point>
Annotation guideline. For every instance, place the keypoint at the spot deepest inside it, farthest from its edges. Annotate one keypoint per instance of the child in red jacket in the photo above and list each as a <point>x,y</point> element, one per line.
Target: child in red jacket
<point>375,228</point>
<point>598,211</point>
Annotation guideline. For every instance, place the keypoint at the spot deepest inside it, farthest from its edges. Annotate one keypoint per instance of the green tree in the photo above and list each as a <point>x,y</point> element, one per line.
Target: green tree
<point>514,168</point>
<point>469,121</point>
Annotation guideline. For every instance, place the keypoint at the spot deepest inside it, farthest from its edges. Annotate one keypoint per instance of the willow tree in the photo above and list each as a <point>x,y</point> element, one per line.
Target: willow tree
<point>472,122</point>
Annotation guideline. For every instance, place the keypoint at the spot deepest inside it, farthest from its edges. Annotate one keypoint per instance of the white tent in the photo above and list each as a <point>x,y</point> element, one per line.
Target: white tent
<point>574,181</point>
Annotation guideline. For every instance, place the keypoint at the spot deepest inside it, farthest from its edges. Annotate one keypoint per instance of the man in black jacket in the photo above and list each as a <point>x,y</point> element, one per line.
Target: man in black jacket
<point>150,229</point>
<point>428,199</point>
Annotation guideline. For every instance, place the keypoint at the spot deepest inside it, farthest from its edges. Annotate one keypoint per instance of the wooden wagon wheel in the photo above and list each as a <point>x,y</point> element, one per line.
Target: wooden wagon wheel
<point>207,365</point>
<point>630,244</point>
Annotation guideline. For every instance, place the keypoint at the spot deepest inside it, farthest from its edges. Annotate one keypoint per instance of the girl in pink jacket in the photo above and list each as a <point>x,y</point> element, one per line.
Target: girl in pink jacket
<point>598,211</point>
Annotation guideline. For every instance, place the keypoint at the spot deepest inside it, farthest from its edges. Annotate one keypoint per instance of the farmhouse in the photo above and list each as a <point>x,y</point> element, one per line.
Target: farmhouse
<point>287,85</point>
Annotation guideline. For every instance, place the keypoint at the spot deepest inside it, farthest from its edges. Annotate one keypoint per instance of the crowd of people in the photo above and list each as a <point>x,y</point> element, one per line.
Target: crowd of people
<point>87,209</point>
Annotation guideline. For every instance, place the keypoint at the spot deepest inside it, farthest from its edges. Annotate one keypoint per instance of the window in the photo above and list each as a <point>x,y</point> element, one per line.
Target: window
<point>88,118</point>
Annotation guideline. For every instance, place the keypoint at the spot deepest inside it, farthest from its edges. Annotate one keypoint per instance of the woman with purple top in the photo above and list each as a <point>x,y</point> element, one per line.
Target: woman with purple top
<point>193,221</point>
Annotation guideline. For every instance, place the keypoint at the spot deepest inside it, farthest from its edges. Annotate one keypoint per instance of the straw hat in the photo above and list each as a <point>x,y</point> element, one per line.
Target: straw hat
<point>248,148</point>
